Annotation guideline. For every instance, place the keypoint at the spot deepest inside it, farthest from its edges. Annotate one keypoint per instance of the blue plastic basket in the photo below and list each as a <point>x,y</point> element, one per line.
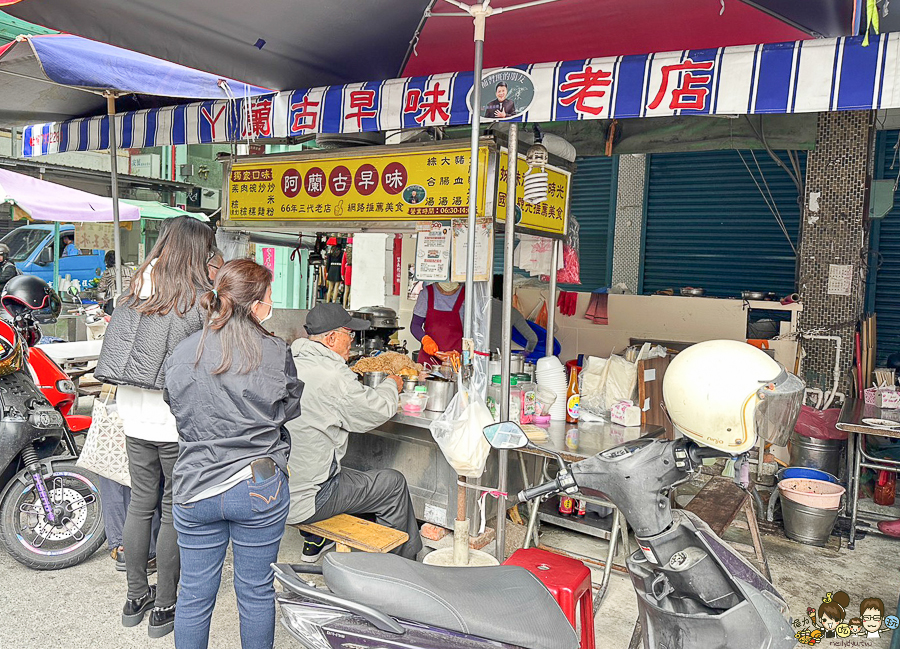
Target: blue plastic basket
<point>806,472</point>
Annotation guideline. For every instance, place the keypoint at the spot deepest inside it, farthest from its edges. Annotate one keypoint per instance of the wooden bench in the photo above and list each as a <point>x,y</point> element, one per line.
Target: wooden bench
<point>350,532</point>
<point>718,504</point>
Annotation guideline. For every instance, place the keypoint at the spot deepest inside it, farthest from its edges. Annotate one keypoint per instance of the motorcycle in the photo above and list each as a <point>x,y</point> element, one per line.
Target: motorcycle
<point>50,509</point>
<point>693,589</point>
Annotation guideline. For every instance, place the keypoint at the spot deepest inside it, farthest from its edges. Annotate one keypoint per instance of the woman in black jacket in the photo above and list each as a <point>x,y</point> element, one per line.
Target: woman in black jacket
<point>159,310</point>
<point>231,388</point>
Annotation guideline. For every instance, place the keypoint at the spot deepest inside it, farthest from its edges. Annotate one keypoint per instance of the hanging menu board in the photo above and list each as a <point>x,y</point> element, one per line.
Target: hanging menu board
<point>484,250</point>
<point>433,248</point>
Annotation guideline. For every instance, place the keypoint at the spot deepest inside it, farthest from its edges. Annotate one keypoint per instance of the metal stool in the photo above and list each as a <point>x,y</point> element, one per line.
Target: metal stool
<point>568,580</point>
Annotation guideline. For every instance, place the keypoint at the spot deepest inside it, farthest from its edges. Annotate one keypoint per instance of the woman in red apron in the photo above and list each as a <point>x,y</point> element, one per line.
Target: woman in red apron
<point>442,331</point>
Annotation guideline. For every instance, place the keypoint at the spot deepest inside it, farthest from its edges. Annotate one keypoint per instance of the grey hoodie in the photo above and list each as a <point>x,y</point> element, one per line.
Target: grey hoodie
<point>334,404</point>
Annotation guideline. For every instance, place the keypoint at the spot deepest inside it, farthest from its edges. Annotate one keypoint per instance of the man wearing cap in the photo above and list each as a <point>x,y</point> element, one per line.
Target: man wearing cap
<point>335,404</point>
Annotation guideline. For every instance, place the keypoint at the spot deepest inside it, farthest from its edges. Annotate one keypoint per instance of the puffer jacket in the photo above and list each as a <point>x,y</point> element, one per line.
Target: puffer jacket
<point>135,346</point>
<point>334,404</point>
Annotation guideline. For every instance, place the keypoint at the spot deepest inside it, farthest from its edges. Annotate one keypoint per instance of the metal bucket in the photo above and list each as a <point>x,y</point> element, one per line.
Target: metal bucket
<point>807,524</point>
<point>823,454</point>
<point>440,391</point>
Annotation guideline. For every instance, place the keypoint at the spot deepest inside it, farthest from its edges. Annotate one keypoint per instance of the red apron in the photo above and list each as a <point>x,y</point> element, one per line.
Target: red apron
<point>444,327</point>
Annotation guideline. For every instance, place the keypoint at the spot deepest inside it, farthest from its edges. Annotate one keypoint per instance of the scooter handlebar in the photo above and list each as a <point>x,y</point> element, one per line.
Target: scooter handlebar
<point>540,490</point>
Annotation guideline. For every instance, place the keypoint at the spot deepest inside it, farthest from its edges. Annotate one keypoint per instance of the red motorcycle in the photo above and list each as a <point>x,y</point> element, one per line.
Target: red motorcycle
<point>50,509</point>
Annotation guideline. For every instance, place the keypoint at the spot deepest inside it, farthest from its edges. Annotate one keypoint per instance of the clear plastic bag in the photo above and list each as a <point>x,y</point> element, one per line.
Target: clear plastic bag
<point>605,382</point>
<point>458,433</point>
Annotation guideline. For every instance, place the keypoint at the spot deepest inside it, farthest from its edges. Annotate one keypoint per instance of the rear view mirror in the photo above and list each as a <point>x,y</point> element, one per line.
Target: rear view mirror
<point>73,291</point>
<point>505,435</point>
<point>45,257</point>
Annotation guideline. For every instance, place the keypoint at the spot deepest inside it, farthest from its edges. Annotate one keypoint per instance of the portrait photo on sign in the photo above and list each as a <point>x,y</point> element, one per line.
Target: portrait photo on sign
<point>414,194</point>
<point>505,94</point>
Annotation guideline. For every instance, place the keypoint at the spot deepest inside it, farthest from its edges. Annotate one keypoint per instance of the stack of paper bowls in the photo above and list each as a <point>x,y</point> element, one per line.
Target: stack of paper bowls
<point>550,373</point>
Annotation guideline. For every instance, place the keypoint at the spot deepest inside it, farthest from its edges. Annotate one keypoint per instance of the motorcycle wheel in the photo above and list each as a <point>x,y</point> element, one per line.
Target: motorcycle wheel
<point>32,540</point>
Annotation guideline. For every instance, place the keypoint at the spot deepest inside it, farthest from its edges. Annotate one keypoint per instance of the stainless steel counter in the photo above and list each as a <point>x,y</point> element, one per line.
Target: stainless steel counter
<point>405,443</point>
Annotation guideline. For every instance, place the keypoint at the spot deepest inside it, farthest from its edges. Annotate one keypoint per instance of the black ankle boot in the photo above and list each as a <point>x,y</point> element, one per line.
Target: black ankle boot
<point>134,609</point>
<point>162,621</point>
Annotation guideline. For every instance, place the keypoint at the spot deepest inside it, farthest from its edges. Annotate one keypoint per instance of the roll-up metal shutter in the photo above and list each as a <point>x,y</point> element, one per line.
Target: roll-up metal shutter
<point>708,226</point>
<point>884,275</point>
<point>593,204</point>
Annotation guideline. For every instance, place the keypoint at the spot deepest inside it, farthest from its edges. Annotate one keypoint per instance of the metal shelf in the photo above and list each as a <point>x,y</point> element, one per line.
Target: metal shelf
<point>590,524</point>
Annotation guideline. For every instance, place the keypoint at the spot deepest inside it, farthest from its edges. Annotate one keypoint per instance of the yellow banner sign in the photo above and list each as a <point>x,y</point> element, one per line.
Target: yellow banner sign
<point>548,216</point>
<point>409,185</point>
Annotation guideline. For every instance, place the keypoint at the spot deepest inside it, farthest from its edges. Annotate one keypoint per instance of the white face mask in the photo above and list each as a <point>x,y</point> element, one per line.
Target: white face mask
<point>448,287</point>
<point>271,309</point>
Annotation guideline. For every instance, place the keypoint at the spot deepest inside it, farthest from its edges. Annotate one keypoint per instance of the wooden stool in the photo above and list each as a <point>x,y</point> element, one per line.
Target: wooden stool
<point>718,504</point>
<point>568,580</point>
<point>350,532</point>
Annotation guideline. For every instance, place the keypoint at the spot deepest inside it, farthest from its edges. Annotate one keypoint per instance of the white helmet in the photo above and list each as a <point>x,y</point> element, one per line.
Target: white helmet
<point>726,393</point>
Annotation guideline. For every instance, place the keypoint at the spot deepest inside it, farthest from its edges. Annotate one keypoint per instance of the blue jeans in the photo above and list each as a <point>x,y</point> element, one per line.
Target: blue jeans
<point>253,516</point>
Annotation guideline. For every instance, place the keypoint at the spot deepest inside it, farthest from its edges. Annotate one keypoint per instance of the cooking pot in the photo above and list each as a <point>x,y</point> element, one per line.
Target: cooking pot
<point>440,391</point>
<point>381,317</point>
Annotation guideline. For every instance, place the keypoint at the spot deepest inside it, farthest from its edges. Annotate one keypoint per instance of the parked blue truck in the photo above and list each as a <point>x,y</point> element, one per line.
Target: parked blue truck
<point>31,248</point>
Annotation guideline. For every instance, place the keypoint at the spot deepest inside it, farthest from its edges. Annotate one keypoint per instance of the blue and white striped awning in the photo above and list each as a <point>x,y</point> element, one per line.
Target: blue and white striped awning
<point>802,77</point>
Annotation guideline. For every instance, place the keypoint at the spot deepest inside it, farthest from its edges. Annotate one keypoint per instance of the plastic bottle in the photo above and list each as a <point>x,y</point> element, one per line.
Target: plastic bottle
<point>573,398</point>
<point>493,397</point>
<point>515,399</point>
<point>528,399</point>
<point>885,488</point>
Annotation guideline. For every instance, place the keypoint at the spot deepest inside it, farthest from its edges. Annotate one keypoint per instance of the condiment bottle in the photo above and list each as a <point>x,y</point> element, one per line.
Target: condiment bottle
<point>573,398</point>
<point>528,399</point>
<point>885,488</point>
<point>493,397</point>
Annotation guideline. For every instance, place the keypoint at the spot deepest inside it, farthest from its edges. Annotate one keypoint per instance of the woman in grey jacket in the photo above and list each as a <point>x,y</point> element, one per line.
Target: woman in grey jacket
<point>160,309</point>
<point>231,387</point>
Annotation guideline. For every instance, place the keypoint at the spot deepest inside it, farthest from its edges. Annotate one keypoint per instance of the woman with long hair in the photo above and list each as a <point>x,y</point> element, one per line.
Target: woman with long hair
<point>232,388</point>
<point>159,310</point>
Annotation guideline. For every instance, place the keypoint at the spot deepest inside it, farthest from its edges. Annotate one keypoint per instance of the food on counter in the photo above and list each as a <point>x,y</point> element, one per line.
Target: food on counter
<point>535,434</point>
<point>390,362</point>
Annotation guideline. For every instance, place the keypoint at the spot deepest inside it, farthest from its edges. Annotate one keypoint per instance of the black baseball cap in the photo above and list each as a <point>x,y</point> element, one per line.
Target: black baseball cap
<point>330,316</point>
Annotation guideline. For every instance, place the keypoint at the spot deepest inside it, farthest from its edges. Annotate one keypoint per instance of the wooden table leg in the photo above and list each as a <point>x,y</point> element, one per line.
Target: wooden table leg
<point>754,534</point>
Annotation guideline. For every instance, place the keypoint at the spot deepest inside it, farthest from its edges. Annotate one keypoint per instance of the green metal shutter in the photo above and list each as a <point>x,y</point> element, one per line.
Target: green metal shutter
<point>593,204</point>
<point>884,276</point>
<point>708,226</point>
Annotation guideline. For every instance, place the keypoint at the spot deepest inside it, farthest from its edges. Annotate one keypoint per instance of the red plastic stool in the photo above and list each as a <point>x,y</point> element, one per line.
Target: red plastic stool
<point>567,579</point>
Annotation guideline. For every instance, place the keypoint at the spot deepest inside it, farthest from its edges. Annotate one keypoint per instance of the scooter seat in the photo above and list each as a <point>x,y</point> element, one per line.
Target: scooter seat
<point>503,603</point>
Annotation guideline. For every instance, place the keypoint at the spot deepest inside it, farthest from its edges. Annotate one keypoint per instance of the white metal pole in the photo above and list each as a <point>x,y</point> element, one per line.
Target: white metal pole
<point>114,166</point>
<point>506,330</point>
<point>551,308</point>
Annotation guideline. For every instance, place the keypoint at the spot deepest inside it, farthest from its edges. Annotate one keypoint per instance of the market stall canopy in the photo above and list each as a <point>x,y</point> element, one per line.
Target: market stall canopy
<point>780,78</point>
<point>45,201</point>
<point>306,43</point>
<point>59,76</point>
<point>157,210</point>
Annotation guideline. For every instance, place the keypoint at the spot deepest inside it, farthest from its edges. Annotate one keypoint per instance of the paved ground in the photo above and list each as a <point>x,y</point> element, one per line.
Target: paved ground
<point>78,608</point>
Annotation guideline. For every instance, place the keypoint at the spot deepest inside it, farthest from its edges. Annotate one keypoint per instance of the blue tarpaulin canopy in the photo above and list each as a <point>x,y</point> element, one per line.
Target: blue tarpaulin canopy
<point>60,76</point>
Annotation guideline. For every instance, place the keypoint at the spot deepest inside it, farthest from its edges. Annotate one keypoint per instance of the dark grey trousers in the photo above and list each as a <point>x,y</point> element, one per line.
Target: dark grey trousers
<point>150,462</point>
<point>382,493</point>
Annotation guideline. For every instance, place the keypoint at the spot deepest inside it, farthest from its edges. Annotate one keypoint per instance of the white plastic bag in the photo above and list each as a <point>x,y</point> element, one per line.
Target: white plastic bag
<point>458,432</point>
<point>605,382</point>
